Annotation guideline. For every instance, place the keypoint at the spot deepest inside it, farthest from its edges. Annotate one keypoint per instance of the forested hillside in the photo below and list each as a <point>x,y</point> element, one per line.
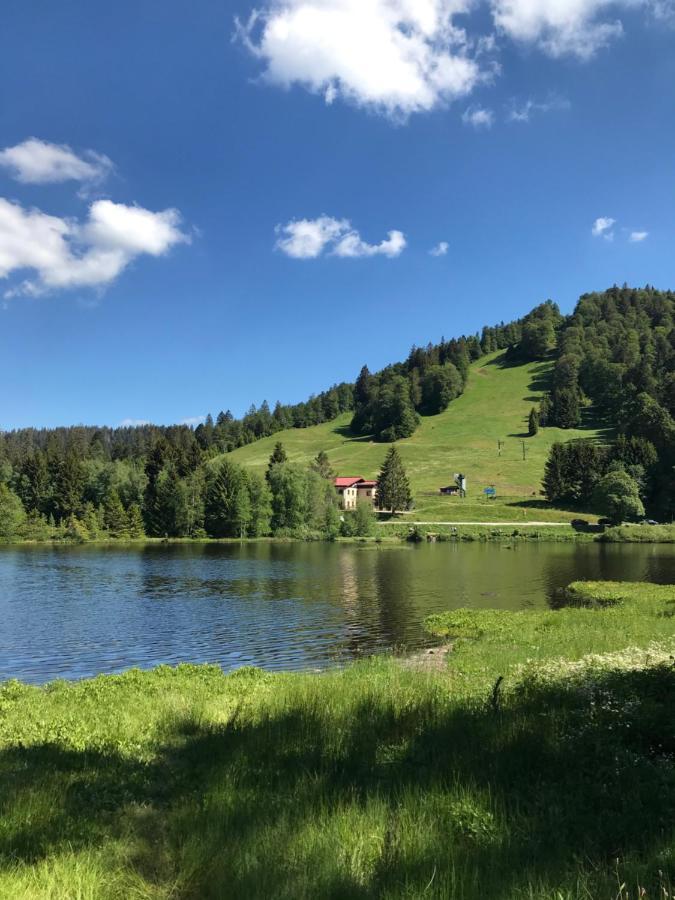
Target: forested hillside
<point>616,359</point>
<point>610,363</point>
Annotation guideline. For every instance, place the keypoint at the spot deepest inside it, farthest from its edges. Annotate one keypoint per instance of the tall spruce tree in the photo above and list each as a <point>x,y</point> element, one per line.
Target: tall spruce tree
<point>533,422</point>
<point>277,458</point>
<point>322,466</point>
<point>393,488</point>
<point>556,481</point>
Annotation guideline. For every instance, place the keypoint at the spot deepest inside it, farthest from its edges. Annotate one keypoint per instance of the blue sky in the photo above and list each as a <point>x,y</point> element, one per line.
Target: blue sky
<point>210,215</point>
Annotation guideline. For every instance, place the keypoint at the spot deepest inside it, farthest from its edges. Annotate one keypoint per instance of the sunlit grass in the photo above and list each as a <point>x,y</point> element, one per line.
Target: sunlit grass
<point>464,438</point>
<point>368,782</point>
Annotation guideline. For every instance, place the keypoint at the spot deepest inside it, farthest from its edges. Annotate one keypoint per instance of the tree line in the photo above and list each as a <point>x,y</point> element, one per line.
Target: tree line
<point>55,495</point>
<point>615,365</point>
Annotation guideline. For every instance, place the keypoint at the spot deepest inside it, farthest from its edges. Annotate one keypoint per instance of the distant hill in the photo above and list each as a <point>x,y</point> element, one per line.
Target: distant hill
<point>494,407</point>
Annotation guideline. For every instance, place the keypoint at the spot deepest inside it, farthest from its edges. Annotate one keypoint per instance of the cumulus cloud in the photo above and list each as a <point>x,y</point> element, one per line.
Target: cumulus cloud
<point>396,56</point>
<point>38,162</point>
<point>440,249</point>
<point>604,227</point>
<point>571,27</point>
<point>65,253</point>
<point>351,245</point>
<point>478,117</point>
<point>636,237</point>
<point>308,238</point>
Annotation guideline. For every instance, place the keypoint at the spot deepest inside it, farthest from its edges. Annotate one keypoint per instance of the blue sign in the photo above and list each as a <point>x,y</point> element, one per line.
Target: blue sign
<point>491,492</point>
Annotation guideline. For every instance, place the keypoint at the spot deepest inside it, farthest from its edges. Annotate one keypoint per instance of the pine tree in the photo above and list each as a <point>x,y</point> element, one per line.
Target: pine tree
<point>135,519</point>
<point>556,482</point>
<point>393,488</point>
<point>322,466</point>
<point>277,458</point>
<point>533,422</point>
<point>114,515</point>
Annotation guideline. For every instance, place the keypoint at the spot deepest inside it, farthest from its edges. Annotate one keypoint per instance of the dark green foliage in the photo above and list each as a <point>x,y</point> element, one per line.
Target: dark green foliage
<point>565,408</point>
<point>235,504</point>
<point>556,477</point>
<point>538,339</point>
<point>533,422</point>
<point>572,471</point>
<point>441,384</point>
<point>617,497</point>
<point>617,356</point>
<point>394,415</point>
<point>12,514</point>
<point>359,522</point>
<point>114,516</point>
<point>322,466</point>
<point>393,488</point>
<point>277,457</point>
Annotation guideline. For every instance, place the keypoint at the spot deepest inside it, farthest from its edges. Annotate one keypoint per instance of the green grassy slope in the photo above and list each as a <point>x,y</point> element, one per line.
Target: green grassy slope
<point>495,406</point>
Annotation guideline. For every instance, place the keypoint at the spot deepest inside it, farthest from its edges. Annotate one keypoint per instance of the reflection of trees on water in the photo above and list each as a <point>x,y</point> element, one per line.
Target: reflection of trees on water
<point>605,562</point>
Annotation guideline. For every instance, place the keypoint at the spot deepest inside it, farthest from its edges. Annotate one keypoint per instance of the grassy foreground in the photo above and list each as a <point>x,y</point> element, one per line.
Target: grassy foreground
<point>377,781</point>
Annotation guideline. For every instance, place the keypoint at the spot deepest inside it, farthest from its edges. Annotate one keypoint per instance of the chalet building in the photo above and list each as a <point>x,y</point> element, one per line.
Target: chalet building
<point>355,490</point>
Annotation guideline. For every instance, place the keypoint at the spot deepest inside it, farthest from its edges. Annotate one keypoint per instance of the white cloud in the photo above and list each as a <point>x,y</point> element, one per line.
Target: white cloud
<point>636,237</point>
<point>192,421</point>
<point>64,253</point>
<point>559,27</point>
<point>478,117</point>
<point>133,423</point>
<point>523,111</point>
<point>396,56</point>
<point>308,238</point>
<point>440,249</point>
<point>603,227</point>
<point>352,246</point>
<point>571,27</point>
<point>38,162</point>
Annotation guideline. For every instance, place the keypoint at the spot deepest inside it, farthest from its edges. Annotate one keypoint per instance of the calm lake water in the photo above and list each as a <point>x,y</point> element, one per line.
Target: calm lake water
<point>71,612</point>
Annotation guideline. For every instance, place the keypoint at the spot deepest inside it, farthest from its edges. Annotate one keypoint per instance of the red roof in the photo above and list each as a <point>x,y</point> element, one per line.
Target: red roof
<point>367,484</point>
<point>347,482</point>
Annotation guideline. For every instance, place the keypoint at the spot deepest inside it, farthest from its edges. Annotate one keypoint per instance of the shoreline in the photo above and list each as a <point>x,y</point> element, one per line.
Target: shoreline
<point>405,531</point>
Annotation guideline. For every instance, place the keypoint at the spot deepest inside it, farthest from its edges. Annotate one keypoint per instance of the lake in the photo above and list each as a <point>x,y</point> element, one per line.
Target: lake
<point>72,612</point>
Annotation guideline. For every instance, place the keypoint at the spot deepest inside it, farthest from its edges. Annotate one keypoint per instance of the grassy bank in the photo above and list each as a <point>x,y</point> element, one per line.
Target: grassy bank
<point>639,534</point>
<point>402,529</point>
<point>370,782</point>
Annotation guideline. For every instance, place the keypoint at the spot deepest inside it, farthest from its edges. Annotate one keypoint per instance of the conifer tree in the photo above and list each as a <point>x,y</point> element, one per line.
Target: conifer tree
<point>277,458</point>
<point>114,515</point>
<point>135,520</point>
<point>393,488</point>
<point>556,482</point>
<point>533,422</point>
<point>322,466</point>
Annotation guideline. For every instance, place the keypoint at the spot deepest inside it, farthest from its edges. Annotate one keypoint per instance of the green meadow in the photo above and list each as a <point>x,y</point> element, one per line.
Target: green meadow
<point>535,762</point>
<point>494,408</point>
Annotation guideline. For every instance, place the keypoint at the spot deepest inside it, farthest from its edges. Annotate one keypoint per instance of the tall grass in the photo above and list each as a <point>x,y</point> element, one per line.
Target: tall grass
<point>374,781</point>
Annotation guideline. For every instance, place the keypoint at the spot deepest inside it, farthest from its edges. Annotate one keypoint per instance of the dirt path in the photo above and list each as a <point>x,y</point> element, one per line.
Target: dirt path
<point>488,524</point>
<point>433,659</point>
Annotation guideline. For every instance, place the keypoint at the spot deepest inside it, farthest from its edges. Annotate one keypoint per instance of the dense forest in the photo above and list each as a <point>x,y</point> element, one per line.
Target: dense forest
<point>613,362</point>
